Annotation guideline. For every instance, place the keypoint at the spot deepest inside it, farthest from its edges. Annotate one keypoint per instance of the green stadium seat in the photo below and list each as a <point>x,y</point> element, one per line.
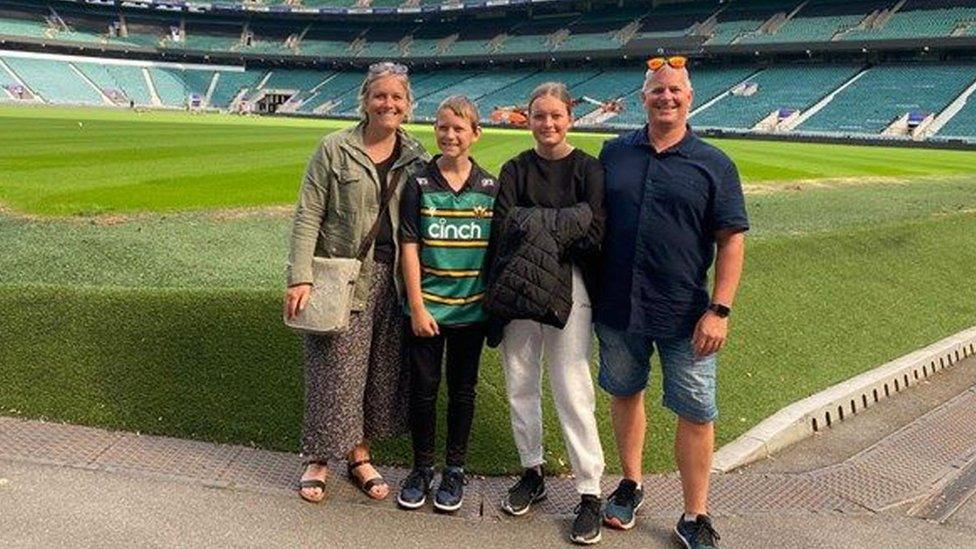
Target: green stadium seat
<point>127,79</point>
<point>886,92</point>
<point>792,87</point>
<point>54,81</point>
<point>230,83</point>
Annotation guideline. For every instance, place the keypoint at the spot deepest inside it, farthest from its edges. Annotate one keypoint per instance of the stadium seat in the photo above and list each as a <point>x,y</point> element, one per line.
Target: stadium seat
<point>795,88</point>
<point>54,81</point>
<point>886,92</point>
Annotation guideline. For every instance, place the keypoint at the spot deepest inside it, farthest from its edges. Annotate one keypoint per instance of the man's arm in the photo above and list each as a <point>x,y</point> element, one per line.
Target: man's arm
<point>711,331</point>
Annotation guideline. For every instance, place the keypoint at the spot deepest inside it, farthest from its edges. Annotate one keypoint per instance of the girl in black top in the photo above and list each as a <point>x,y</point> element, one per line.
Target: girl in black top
<point>554,174</point>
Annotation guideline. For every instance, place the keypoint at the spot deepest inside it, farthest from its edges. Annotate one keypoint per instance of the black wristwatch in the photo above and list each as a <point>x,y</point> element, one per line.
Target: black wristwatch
<point>720,310</point>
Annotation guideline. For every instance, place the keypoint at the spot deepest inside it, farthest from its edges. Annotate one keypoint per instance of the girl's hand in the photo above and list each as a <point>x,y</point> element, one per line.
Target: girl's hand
<point>296,297</point>
<point>423,324</point>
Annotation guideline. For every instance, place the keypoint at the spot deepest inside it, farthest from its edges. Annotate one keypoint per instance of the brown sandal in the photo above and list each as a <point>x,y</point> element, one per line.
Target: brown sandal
<point>365,485</point>
<point>311,483</point>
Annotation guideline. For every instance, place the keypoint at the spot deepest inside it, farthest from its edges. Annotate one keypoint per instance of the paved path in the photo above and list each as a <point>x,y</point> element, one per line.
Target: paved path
<point>869,481</point>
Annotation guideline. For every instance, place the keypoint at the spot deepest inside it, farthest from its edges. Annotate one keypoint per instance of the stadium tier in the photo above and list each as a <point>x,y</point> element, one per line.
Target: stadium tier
<point>963,124</point>
<point>600,30</point>
<point>773,89</point>
<point>121,83</point>
<point>53,81</point>
<point>883,94</point>
<point>818,98</point>
<point>819,67</point>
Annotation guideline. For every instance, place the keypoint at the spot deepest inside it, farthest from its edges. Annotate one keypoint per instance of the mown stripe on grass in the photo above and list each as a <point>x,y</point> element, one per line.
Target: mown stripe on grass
<point>52,166</point>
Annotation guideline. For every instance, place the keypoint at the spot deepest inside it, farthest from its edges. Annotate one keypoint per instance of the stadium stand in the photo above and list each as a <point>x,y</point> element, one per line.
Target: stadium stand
<point>194,81</point>
<point>127,79</point>
<point>808,53</point>
<point>54,81</point>
<point>229,85</point>
<point>474,87</point>
<point>794,88</point>
<point>333,91</point>
<point>741,18</point>
<point>7,83</point>
<point>963,124</point>
<point>609,85</point>
<point>885,93</point>
<point>14,25</point>
<point>922,19</point>
<point>518,93</point>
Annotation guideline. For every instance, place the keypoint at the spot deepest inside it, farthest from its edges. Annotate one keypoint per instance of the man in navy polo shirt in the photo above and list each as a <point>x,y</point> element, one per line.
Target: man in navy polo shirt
<point>674,204</point>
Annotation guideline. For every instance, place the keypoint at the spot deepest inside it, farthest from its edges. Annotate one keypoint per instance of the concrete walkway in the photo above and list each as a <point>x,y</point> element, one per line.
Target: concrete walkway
<point>900,475</point>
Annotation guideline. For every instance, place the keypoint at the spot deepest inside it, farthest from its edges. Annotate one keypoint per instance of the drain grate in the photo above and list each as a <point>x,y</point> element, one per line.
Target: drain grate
<point>52,442</point>
<point>168,456</point>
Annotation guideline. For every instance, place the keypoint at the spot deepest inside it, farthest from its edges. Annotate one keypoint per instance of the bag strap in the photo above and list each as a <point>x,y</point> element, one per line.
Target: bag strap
<point>391,186</point>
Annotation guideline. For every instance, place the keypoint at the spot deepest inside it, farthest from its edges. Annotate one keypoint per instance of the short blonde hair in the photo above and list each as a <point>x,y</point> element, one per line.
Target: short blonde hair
<point>382,70</point>
<point>554,89</point>
<point>463,107</point>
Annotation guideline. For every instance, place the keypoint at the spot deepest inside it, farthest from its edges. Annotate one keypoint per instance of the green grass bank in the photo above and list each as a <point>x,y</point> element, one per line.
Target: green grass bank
<point>166,320</point>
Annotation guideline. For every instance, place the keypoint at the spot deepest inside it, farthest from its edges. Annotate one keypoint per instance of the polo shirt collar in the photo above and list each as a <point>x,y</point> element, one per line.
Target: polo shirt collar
<point>681,148</point>
<point>434,170</point>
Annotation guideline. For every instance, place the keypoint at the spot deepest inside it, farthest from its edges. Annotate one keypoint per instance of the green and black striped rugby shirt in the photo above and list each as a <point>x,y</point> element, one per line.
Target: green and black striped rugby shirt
<point>452,231</point>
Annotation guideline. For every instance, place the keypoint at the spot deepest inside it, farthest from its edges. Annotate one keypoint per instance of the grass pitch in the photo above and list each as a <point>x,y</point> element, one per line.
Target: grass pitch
<point>65,161</point>
<point>162,315</point>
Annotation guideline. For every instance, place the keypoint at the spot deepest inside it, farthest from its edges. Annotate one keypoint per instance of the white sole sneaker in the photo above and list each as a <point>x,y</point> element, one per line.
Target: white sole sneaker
<point>505,507</point>
<point>409,505</point>
<point>581,541</point>
<point>447,508</point>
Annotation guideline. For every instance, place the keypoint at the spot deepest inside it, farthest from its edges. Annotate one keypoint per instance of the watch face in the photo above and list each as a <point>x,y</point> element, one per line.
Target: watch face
<point>720,310</point>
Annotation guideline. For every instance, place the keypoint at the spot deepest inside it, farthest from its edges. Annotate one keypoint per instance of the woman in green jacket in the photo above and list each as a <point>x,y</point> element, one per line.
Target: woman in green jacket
<point>355,389</point>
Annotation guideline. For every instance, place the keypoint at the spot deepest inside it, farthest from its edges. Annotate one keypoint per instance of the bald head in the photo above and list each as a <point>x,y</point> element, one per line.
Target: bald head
<point>667,96</point>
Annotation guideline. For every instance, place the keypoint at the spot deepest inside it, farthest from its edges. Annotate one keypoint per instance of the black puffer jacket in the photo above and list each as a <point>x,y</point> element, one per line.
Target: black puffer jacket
<point>531,276</point>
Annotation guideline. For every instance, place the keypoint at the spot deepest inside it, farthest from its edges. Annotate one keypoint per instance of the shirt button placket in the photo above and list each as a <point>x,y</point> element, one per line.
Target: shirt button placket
<point>637,290</point>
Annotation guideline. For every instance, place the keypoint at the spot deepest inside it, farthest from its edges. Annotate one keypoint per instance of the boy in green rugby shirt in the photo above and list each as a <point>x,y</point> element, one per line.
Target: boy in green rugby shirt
<point>445,217</point>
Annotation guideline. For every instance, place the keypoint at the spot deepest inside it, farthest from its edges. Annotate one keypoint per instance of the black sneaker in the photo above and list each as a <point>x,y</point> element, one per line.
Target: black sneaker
<point>414,488</point>
<point>586,527</point>
<point>697,534</point>
<point>622,505</point>
<point>528,490</point>
<point>450,494</point>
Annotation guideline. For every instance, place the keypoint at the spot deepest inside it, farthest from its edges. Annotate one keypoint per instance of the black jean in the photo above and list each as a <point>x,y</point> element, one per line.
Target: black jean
<point>424,357</point>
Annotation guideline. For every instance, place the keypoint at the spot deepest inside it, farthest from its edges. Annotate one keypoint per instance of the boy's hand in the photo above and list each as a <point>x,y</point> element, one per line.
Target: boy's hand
<point>423,323</point>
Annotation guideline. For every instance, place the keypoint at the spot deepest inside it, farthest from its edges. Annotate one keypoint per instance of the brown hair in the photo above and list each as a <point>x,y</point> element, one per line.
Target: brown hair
<point>461,106</point>
<point>555,89</point>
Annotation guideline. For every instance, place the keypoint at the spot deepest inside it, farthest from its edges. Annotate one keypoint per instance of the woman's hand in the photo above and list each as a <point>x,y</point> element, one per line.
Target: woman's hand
<point>423,323</point>
<point>296,297</point>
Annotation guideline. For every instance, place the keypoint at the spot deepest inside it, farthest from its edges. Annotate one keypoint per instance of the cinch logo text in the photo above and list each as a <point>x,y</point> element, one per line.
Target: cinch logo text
<point>440,229</point>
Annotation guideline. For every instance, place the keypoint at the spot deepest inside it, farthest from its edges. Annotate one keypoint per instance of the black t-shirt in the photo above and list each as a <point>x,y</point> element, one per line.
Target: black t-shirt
<point>530,180</point>
<point>384,251</point>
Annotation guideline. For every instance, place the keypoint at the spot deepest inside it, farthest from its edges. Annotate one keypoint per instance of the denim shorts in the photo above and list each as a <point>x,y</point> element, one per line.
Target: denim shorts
<point>689,381</point>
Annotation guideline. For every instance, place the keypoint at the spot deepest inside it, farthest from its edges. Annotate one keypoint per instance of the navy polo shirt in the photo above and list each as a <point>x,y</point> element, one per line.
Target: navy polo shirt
<point>663,209</point>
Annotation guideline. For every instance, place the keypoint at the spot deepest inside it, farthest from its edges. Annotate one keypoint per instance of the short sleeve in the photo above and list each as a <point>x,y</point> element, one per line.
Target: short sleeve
<point>410,212</point>
<point>729,205</point>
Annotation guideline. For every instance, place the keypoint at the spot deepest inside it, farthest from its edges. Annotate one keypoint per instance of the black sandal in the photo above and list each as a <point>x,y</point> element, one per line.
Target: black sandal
<point>365,485</point>
<point>311,483</point>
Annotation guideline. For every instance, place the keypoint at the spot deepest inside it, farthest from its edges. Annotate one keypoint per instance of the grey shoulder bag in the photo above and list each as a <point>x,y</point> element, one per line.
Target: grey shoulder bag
<point>334,282</point>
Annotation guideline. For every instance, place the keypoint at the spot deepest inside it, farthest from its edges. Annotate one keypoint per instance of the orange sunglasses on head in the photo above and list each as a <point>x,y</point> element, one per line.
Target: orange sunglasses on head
<point>676,62</point>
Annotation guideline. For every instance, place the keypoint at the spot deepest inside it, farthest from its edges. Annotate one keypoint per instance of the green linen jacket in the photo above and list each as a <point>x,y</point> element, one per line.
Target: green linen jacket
<point>339,201</point>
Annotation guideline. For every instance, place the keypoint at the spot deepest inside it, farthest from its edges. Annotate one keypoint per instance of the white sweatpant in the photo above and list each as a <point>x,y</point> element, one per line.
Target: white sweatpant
<point>567,352</point>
